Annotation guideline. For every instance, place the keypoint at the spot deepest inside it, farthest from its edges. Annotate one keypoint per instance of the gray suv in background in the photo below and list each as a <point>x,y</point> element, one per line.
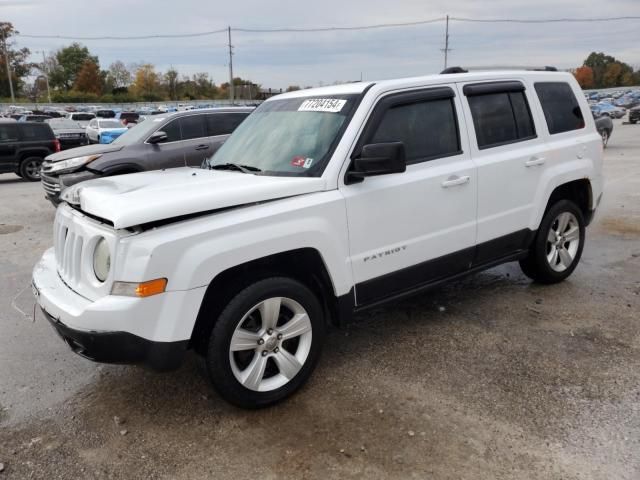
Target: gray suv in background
<point>161,141</point>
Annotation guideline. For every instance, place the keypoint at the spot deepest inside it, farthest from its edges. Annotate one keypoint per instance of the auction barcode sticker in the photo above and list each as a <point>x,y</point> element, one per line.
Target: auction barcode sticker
<point>331,105</point>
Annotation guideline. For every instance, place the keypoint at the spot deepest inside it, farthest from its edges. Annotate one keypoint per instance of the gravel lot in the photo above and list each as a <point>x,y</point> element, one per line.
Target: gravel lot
<point>489,378</point>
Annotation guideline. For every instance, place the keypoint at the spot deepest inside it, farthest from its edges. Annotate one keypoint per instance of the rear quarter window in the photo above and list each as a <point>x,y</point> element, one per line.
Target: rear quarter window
<point>224,123</point>
<point>560,106</point>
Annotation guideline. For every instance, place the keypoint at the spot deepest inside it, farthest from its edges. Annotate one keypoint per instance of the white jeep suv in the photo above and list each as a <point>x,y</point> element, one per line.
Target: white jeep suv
<point>324,202</point>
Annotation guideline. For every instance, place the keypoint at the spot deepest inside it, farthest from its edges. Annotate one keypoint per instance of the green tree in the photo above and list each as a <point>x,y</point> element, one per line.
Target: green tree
<point>68,62</point>
<point>20,67</point>
<point>171,83</point>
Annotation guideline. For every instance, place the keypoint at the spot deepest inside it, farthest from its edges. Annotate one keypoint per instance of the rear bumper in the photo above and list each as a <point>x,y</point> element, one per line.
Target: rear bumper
<point>120,347</point>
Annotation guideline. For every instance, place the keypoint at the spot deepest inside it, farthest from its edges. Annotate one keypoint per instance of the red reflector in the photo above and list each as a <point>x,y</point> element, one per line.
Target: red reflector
<point>56,145</point>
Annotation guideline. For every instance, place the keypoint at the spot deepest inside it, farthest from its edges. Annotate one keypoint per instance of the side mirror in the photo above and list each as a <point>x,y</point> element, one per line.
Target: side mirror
<point>157,137</point>
<point>378,159</point>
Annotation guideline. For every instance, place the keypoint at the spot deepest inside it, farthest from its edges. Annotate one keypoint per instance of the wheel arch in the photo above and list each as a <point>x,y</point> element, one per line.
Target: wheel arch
<point>578,191</point>
<point>305,265</point>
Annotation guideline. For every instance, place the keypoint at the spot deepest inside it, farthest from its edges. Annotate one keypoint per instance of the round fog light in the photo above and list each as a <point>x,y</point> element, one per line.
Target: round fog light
<point>101,260</point>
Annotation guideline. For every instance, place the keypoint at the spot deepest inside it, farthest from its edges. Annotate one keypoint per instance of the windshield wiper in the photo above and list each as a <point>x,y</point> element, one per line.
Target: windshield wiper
<point>235,166</point>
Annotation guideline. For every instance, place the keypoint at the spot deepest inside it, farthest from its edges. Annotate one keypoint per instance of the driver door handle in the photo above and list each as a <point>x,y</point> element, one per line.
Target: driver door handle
<point>202,147</point>
<point>455,180</point>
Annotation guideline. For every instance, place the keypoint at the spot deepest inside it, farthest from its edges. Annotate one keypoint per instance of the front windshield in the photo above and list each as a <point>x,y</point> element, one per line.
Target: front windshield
<point>288,137</point>
<point>110,124</point>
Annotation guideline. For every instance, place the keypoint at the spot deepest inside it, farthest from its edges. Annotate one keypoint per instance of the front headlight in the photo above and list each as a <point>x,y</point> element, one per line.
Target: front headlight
<point>101,260</point>
<point>72,163</point>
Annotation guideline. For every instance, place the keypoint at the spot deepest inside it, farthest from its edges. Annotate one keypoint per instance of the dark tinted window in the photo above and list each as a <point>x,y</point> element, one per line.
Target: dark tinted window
<point>34,131</point>
<point>172,129</point>
<point>83,116</point>
<point>428,129</point>
<point>224,123</point>
<point>193,126</point>
<point>8,133</point>
<point>501,118</point>
<point>561,109</point>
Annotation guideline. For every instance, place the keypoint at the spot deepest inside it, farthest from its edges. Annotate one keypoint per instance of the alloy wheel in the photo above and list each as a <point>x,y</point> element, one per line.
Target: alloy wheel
<point>563,241</point>
<point>32,169</point>
<point>270,344</point>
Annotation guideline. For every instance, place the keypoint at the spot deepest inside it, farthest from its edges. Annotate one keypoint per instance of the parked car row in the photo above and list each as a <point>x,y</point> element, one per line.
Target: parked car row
<point>159,142</point>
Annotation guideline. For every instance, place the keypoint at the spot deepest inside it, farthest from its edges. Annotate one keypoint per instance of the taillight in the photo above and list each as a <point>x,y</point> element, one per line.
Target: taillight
<point>56,145</point>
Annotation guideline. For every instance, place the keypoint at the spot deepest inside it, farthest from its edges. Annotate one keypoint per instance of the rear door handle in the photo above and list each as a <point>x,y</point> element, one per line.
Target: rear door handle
<point>534,162</point>
<point>202,147</point>
<point>454,180</point>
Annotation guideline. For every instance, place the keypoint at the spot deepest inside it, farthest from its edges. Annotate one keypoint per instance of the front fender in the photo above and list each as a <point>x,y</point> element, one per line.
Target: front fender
<point>192,253</point>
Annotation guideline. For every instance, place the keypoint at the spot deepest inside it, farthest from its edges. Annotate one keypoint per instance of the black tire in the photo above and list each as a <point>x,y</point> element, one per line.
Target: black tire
<point>632,122</point>
<point>17,172</point>
<point>218,352</point>
<point>536,265</point>
<point>30,169</point>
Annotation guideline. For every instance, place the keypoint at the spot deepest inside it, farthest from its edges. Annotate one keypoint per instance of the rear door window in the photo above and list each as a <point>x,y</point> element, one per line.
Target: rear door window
<point>33,132</point>
<point>224,123</point>
<point>8,133</point>
<point>193,126</point>
<point>500,117</point>
<point>561,109</point>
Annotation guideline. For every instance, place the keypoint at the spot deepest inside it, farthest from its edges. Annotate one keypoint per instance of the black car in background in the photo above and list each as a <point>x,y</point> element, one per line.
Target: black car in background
<point>160,141</point>
<point>634,115</point>
<point>105,113</point>
<point>23,147</point>
<point>70,134</point>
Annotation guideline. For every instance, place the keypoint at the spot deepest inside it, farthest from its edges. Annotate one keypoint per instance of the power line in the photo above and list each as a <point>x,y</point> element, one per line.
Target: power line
<point>139,37</point>
<point>547,20</point>
<point>336,29</point>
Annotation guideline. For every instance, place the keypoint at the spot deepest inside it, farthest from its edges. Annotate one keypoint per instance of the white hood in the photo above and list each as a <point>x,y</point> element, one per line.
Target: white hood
<point>138,198</point>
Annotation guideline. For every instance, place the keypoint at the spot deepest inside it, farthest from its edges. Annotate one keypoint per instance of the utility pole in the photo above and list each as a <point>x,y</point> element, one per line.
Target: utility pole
<point>231,92</point>
<point>446,48</point>
<point>46,75</point>
<point>6,58</point>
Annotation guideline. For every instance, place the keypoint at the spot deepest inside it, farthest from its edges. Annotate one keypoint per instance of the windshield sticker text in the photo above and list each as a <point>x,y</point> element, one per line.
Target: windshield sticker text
<point>300,161</point>
<point>330,105</point>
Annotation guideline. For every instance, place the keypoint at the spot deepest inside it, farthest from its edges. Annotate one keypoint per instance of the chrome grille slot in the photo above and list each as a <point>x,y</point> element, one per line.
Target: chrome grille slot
<point>74,234</point>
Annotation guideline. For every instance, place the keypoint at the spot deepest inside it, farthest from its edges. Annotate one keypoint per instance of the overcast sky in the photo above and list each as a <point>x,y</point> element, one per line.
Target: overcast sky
<point>281,59</point>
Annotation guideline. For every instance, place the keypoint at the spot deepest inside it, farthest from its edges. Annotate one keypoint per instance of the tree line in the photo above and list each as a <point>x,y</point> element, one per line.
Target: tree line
<point>75,75</point>
<point>604,71</point>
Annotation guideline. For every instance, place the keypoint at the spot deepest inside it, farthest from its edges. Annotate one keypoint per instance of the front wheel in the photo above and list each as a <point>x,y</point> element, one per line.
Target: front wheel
<point>557,247</point>
<point>266,342</point>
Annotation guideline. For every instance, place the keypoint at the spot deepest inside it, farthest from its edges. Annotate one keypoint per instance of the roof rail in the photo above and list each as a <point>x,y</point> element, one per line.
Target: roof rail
<point>500,67</point>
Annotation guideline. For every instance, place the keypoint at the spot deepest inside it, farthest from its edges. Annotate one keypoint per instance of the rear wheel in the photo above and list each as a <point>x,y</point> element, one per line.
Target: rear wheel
<point>558,244</point>
<point>266,342</point>
<point>30,169</point>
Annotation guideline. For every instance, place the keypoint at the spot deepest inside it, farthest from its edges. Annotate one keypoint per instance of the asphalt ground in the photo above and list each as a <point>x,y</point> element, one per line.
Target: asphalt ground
<point>492,377</point>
